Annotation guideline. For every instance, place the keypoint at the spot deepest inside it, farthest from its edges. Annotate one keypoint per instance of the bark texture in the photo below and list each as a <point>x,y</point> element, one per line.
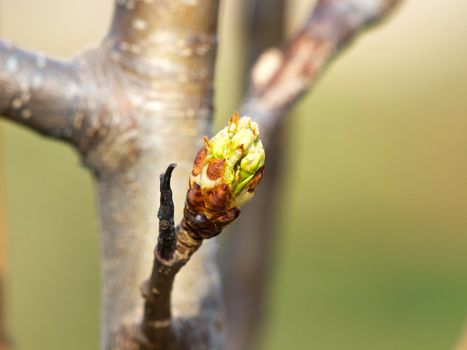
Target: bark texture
<point>138,101</point>
<point>164,52</point>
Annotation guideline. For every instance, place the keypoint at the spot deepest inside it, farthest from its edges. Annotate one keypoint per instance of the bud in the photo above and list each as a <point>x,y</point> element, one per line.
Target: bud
<point>225,174</point>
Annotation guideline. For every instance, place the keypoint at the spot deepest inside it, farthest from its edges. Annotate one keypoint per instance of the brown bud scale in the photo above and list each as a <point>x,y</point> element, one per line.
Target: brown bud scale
<point>198,163</point>
<point>215,169</point>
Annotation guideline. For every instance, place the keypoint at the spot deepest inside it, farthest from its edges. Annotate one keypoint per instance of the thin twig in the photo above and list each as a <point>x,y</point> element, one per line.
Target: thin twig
<point>156,324</point>
<point>209,208</point>
<point>166,241</point>
<point>174,249</point>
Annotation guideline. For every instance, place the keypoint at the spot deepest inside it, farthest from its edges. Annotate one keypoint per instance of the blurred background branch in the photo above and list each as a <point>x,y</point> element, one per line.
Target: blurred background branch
<point>278,79</point>
<point>248,256</point>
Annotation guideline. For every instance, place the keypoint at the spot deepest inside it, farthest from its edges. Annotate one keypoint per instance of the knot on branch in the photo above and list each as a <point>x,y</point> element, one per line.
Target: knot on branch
<point>108,134</point>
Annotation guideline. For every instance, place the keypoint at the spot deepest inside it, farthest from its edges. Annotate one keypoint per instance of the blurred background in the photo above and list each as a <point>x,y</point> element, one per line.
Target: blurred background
<point>374,237</point>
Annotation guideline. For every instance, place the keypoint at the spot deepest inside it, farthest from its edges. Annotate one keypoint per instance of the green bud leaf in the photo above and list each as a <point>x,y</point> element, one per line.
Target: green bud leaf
<point>229,167</point>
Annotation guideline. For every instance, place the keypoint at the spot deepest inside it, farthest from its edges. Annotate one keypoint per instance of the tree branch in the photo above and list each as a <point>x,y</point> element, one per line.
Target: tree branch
<point>157,320</point>
<point>278,80</point>
<point>172,31</point>
<point>44,94</point>
<point>225,174</point>
<point>246,280</point>
<point>281,77</point>
<point>174,249</point>
<point>167,238</point>
<point>162,58</point>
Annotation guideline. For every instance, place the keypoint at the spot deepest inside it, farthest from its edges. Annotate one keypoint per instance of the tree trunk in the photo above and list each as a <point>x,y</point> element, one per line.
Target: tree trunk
<point>166,70</point>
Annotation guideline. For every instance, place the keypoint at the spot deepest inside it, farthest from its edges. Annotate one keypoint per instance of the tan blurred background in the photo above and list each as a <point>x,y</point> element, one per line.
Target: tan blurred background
<point>375,234</point>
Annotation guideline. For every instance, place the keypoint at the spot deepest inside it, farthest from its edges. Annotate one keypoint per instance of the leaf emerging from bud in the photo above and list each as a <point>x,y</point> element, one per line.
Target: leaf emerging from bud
<point>225,174</point>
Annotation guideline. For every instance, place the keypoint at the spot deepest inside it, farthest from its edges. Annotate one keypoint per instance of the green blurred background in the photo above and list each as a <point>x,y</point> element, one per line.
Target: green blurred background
<point>374,238</point>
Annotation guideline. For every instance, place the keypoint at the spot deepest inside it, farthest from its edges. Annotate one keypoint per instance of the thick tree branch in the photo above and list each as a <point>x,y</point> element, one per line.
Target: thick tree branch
<point>160,56</point>
<point>278,80</point>
<point>155,38</point>
<point>44,94</point>
<point>246,280</point>
<point>280,77</point>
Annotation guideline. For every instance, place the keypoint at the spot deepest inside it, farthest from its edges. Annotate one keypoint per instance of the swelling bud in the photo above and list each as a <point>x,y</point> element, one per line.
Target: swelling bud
<point>225,174</point>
